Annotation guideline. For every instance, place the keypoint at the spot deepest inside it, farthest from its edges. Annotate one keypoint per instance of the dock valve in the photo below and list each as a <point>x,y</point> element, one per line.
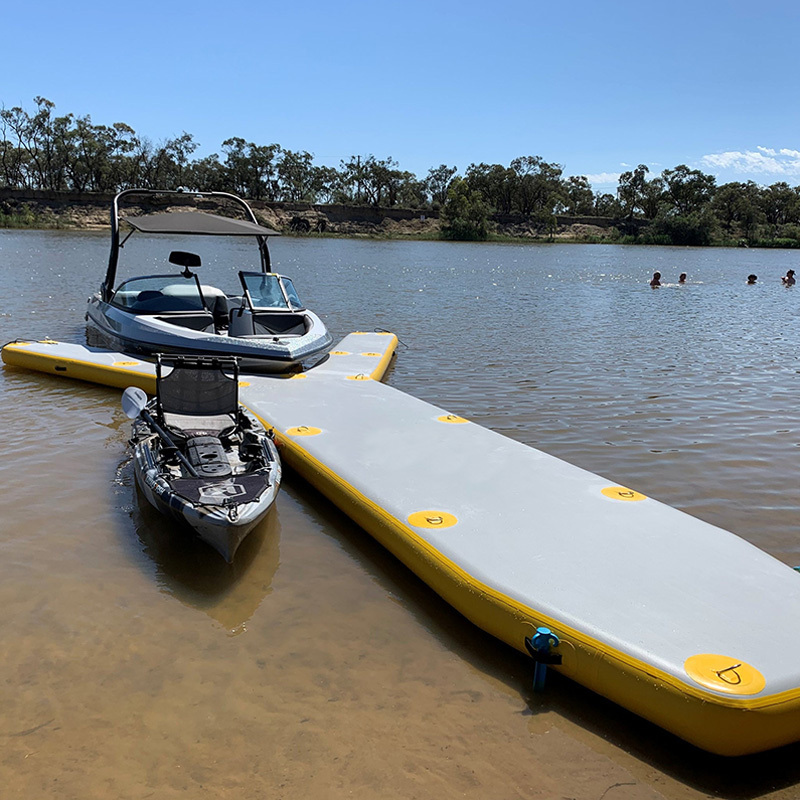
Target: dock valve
<point>540,646</point>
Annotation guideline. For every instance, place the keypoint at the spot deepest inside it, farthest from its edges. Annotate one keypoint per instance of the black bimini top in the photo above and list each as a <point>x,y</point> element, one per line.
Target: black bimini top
<point>197,223</point>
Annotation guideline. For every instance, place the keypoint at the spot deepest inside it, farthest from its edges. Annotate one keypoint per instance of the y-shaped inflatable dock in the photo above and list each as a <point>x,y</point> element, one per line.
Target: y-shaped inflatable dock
<point>677,620</point>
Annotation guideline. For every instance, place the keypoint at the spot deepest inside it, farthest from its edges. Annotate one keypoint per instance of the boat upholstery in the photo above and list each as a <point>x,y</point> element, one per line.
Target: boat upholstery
<point>246,323</point>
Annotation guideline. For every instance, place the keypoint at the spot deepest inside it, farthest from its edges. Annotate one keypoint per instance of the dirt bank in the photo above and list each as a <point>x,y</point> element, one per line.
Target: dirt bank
<point>38,209</point>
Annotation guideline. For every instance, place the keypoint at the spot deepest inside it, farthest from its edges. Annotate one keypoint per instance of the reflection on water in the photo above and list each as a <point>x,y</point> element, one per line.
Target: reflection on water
<point>350,677</point>
<point>194,573</point>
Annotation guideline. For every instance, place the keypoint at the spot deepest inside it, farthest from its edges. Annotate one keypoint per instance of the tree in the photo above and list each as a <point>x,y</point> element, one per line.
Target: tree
<point>606,205</point>
<point>251,168</point>
<point>780,204</point>
<point>579,200</point>
<point>464,214</point>
<point>438,182</point>
<point>296,176</point>
<point>538,185</point>
<point>631,189</point>
<point>688,190</point>
<point>495,183</point>
<point>206,175</point>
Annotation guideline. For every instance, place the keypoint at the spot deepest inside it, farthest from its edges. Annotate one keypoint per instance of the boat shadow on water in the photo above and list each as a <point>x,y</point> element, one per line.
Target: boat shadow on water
<point>194,573</point>
<point>638,745</point>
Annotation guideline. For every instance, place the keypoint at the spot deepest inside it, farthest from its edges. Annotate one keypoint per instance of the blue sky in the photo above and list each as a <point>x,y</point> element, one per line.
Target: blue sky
<point>596,87</point>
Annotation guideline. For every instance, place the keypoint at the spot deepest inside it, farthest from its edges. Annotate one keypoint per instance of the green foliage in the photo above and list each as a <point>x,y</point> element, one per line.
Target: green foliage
<point>464,216</point>
<point>42,150</point>
<point>695,229</point>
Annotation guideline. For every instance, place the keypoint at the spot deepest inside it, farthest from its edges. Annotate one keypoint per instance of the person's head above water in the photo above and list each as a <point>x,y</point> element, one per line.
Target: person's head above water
<point>682,278</point>
<point>752,278</point>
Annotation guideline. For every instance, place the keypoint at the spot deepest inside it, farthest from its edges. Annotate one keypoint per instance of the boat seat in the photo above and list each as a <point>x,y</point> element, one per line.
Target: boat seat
<point>248,324</point>
<point>199,321</point>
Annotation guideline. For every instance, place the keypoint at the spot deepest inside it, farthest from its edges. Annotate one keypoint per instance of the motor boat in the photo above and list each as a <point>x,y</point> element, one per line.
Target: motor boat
<point>260,320</point>
<point>198,455</point>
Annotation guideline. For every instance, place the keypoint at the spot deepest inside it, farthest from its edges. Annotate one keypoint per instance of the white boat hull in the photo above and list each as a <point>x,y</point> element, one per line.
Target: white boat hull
<point>146,334</point>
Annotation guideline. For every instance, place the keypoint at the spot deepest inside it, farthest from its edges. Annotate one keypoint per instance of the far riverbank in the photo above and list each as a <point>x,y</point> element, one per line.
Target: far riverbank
<point>48,210</point>
<point>44,210</point>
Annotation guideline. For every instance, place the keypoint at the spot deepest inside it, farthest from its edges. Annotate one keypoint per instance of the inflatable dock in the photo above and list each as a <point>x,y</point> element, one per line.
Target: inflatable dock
<point>677,620</point>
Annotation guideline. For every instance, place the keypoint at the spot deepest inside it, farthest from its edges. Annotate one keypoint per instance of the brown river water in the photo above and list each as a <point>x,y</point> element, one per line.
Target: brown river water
<point>135,663</point>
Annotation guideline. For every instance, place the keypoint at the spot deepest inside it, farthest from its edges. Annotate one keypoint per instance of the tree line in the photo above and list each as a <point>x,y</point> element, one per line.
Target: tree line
<point>40,149</point>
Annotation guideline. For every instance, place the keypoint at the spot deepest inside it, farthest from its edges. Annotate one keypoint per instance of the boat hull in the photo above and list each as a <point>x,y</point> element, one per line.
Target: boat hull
<point>147,334</point>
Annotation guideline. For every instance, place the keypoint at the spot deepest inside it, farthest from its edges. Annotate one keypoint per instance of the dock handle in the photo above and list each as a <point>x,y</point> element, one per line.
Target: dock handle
<point>539,646</point>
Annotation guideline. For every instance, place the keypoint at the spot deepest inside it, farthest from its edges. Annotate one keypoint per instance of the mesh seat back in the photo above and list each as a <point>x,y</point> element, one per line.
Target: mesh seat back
<point>197,389</point>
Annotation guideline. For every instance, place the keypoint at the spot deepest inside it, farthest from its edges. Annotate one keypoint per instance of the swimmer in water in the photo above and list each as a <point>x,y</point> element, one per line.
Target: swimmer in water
<point>656,280</point>
<point>788,278</point>
<point>682,278</point>
<point>751,279</point>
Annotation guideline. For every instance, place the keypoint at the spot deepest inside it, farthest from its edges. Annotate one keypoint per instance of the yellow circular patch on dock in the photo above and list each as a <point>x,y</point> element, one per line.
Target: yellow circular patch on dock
<point>432,519</point>
<point>622,493</point>
<point>298,376</point>
<point>454,418</point>
<point>724,674</point>
<point>303,430</point>
<point>340,353</point>
<point>377,355</point>
<point>126,363</point>
<point>360,377</point>
<point>244,383</point>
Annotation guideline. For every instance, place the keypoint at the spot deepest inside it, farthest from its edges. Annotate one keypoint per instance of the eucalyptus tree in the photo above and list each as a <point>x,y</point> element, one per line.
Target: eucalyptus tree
<point>539,187</point>
<point>295,173</point>
<point>688,190</point>
<point>252,168</point>
<point>631,189</point>
<point>464,216</point>
<point>780,204</point>
<point>578,196</point>
<point>496,184</point>
<point>438,182</point>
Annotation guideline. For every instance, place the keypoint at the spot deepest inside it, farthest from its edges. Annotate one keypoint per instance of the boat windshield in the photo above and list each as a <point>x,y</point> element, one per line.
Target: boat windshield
<point>291,293</point>
<point>159,293</point>
<point>268,290</point>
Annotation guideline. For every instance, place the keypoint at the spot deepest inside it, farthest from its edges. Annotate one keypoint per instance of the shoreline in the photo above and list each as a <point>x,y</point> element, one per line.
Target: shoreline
<point>39,210</point>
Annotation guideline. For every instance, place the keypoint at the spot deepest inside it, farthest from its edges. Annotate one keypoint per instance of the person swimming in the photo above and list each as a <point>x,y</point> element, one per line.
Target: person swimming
<point>751,279</point>
<point>788,278</point>
<point>682,278</point>
<point>656,280</point>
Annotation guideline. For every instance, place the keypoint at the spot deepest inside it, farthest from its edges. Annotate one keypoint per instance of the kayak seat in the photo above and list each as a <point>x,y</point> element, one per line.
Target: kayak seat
<point>199,396</point>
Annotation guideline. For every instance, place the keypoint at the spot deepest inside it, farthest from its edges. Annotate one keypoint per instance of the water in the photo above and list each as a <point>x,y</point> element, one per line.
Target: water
<point>135,662</point>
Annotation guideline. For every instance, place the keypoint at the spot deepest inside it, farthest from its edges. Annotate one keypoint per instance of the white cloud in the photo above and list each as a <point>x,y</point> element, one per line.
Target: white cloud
<point>623,164</point>
<point>765,161</point>
<point>603,179</point>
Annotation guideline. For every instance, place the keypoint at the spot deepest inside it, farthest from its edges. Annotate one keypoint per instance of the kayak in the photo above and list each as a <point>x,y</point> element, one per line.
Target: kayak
<point>198,456</point>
